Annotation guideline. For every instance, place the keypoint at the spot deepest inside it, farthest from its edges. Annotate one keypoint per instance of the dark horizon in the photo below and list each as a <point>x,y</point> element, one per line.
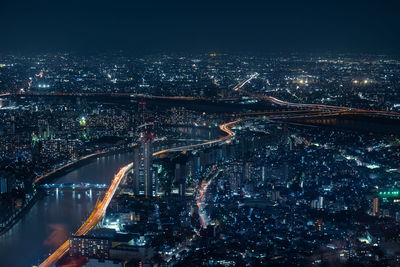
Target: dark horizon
<point>174,27</point>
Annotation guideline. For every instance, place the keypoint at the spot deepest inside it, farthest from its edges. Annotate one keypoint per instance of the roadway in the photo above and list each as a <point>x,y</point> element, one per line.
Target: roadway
<point>47,93</point>
<point>224,127</point>
<point>94,218</point>
<point>101,207</point>
<point>320,107</point>
<point>238,87</point>
<point>280,115</point>
<point>201,199</point>
<point>315,111</point>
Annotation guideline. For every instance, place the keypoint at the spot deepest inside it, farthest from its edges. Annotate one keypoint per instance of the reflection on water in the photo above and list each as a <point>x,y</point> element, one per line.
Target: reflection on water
<point>55,216</point>
<point>361,124</point>
<point>59,233</point>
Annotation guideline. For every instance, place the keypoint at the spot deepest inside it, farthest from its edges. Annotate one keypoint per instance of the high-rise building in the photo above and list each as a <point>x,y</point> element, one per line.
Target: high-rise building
<point>263,171</point>
<point>375,206</point>
<point>144,183</point>
<point>236,178</point>
<point>320,202</point>
<point>3,185</point>
<point>180,179</point>
<point>275,195</point>
<point>196,164</point>
<point>143,112</point>
<point>247,171</point>
<point>314,204</point>
<point>177,172</point>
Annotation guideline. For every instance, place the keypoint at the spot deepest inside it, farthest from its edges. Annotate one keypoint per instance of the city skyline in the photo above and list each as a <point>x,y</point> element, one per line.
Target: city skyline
<point>199,133</point>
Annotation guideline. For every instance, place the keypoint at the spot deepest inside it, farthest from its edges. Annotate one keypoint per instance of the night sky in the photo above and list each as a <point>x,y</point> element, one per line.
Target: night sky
<point>195,26</point>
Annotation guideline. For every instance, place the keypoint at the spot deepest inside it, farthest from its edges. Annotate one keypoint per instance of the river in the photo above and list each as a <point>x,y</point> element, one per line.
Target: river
<point>52,218</point>
<point>55,216</point>
<point>362,124</point>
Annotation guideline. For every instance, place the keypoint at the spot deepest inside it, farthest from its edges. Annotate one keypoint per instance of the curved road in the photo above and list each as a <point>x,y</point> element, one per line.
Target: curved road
<point>321,107</point>
<point>223,127</point>
<point>101,207</point>
<point>93,219</point>
<point>316,111</point>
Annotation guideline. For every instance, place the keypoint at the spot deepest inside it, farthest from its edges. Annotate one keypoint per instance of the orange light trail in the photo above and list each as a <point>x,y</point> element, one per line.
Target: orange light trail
<point>93,219</point>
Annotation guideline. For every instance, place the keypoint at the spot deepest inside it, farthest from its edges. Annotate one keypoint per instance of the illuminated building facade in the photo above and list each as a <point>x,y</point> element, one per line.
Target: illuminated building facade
<point>144,182</point>
<point>375,206</point>
<point>93,247</point>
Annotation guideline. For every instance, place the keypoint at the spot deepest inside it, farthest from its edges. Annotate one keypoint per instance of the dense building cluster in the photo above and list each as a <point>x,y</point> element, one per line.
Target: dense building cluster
<point>270,188</point>
<point>278,194</point>
<point>344,80</point>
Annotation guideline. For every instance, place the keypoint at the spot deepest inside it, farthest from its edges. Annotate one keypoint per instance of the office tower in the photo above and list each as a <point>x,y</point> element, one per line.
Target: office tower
<point>180,179</point>
<point>247,171</point>
<point>3,185</point>
<point>263,171</point>
<point>177,172</point>
<point>144,183</point>
<point>375,206</point>
<point>143,112</point>
<point>320,202</point>
<point>275,195</point>
<point>314,204</point>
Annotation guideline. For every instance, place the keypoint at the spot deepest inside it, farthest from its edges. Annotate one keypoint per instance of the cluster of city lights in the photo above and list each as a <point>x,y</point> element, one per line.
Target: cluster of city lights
<point>389,193</point>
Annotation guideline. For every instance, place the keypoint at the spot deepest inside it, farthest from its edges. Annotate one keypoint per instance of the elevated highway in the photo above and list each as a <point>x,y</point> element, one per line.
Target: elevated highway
<point>312,107</point>
<point>308,111</point>
<point>93,219</point>
<point>224,127</point>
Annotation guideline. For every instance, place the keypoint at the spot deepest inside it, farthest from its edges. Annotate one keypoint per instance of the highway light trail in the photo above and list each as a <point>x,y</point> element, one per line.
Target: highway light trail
<point>314,110</point>
<point>43,93</point>
<point>224,127</point>
<point>93,219</point>
<point>329,108</point>
<point>201,200</point>
<point>240,85</point>
<point>101,207</point>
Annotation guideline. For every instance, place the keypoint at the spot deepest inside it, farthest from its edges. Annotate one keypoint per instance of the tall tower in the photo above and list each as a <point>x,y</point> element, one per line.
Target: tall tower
<point>144,184</point>
<point>375,206</point>
<point>247,171</point>
<point>180,178</point>
<point>142,111</point>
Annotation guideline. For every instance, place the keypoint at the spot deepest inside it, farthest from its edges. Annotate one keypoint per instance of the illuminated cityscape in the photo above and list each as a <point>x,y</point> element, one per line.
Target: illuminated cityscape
<point>199,134</point>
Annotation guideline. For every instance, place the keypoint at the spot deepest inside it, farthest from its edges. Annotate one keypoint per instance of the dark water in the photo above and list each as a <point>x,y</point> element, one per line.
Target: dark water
<point>55,216</point>
<point>358,124</point>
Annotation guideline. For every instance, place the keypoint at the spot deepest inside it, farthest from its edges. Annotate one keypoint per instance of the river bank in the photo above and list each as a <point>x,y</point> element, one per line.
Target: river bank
<point>70,166</point>
<point>51,176</point>
<point>19,214</point>
<point>57,213</point>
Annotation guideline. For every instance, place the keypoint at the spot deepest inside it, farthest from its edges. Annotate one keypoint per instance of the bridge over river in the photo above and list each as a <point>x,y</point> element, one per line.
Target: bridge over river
<point>74,186</point>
